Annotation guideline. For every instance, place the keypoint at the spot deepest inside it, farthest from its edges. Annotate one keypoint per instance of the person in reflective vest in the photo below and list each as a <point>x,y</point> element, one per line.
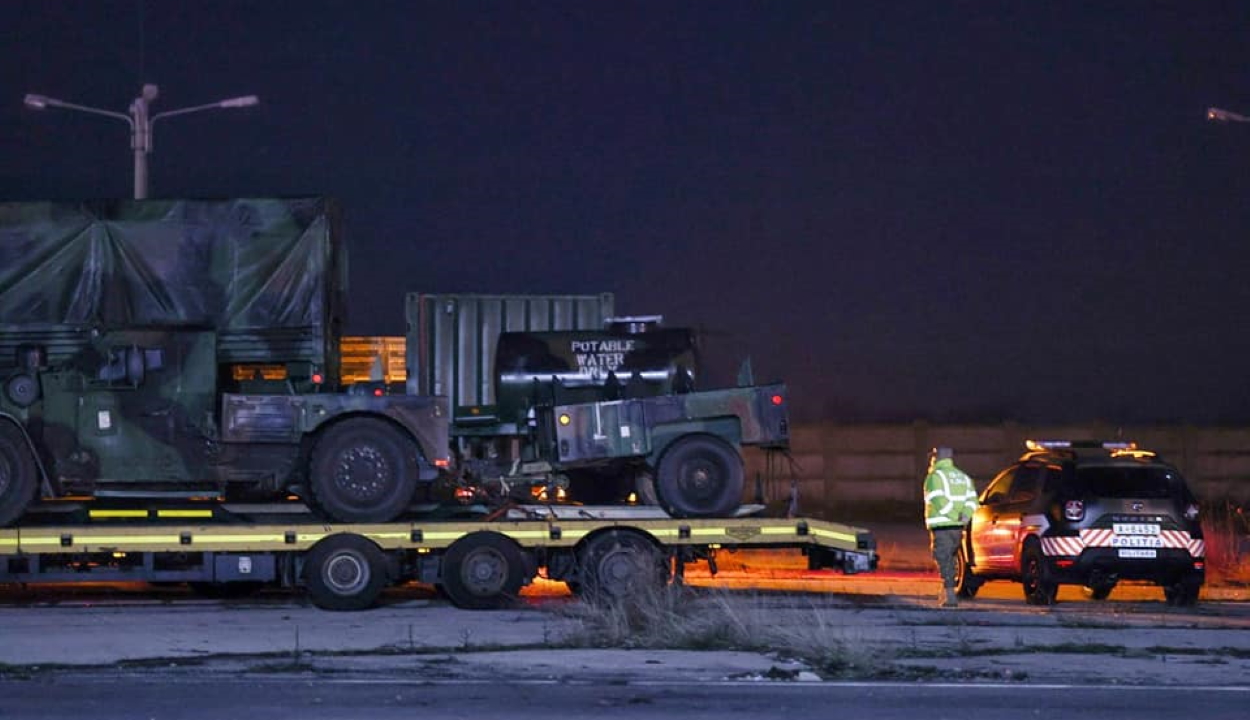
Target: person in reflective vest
<point>950,499</point>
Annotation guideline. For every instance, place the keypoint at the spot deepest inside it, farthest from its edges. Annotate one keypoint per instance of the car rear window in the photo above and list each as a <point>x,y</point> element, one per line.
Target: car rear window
<point>1128,482</point>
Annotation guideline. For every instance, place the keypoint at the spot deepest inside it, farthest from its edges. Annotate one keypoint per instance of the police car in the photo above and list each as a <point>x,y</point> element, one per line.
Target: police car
<point>1090,514</point>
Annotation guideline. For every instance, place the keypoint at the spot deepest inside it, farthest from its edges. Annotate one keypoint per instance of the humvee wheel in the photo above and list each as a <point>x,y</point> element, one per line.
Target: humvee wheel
<point>18,476</point>
<point>644,487</point>
<point>345,572</point>
<point>363,470</point>
<point>483,571</point>
<point>618,564</point>
<point>700,476</point>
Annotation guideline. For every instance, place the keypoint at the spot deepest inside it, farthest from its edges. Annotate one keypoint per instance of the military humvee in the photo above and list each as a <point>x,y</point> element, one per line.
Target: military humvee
<point>182,348</point>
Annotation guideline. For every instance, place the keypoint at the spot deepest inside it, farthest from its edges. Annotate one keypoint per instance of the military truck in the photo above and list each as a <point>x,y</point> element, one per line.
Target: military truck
<point>191,349</point>
<point>181,349</point>
<point>558,390</point>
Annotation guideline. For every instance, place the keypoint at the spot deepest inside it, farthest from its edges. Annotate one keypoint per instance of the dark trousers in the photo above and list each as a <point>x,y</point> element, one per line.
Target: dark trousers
<point>945,544</point>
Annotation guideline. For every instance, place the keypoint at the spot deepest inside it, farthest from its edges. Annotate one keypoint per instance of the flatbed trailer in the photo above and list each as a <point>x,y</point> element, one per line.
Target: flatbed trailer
<point>478,563</point>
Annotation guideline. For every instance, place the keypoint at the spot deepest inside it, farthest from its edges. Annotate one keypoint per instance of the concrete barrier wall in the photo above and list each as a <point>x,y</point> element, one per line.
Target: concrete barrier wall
<point>845,470</point>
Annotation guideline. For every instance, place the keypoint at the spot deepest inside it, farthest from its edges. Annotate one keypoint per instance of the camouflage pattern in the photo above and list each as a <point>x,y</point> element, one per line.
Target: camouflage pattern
<point>133,334</point>
<point>268,275</point>
<point>644,427</point>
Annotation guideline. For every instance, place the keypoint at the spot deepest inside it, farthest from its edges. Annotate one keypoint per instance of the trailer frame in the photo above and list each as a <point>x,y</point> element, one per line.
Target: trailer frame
<point>479,563</point>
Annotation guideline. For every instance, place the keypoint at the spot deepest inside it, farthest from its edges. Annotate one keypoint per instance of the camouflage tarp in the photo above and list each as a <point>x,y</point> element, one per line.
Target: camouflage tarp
<point>267,274</point>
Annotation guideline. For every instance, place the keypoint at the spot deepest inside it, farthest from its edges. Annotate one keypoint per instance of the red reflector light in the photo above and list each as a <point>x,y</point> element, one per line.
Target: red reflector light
<point>777,399</point>
<point>318,378</point>
<point>377,392</point>
<point>442,462</point>
<point>1065,563</point>
<point>1199,565</point>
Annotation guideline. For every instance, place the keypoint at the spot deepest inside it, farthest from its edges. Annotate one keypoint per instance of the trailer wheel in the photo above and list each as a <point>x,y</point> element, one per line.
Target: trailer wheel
<point>18,476</point>
<point>363,470</point>
<point>483,571</point>
<point>345,572</point>
<point>619,564</point>
<point>700,476</point>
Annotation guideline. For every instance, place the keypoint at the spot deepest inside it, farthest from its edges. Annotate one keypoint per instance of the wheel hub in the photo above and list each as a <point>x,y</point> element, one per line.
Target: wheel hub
<point>700,481</point>
<point>346,573</point>
<point>363,473</point>
<point>484,572</point>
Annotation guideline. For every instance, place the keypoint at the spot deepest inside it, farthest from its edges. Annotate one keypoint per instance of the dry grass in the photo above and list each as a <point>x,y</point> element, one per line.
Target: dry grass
<point>1226,527</point>
<point>677,618</point>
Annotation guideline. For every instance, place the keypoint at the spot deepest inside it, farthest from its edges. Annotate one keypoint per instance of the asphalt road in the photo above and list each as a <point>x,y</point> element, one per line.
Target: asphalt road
<point>128,696</point>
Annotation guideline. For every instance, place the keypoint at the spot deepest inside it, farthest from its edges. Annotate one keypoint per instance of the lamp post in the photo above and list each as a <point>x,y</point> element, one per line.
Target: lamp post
<point>1219,115</point>
<point>140,122</point>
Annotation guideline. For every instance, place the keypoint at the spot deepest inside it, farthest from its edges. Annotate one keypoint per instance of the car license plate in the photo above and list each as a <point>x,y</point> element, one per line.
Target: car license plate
<point>1135,553</point>
<point>1135,528</point>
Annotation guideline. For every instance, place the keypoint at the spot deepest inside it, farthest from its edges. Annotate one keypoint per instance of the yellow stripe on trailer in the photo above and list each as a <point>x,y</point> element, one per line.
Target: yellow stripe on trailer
<point>184,513</point>
<point>819,532</point>
<point>109,514</point>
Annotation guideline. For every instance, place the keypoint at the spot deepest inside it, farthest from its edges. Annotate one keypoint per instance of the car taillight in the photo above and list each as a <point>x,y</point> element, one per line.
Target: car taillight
<point>1074,510</point>
<point>1191,512</point>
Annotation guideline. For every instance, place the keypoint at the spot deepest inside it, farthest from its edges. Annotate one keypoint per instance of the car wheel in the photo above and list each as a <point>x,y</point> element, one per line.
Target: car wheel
<point>966,584</point>
<point>1039,589</point>
<point>1183,593</point>
<point>1098,591</point>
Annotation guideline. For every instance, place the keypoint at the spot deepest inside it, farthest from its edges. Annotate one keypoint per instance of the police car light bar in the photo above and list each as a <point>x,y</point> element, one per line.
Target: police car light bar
<point>1035,445</point>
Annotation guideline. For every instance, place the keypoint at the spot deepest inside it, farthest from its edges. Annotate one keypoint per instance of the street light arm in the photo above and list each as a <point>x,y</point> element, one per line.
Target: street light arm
<point>238,102</point>
<point>39,102</point>
<point>1222,115</point>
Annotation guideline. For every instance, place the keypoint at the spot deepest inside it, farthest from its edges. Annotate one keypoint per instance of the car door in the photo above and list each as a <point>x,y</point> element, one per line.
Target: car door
<point>986,545</point>
<point>1017,519</point>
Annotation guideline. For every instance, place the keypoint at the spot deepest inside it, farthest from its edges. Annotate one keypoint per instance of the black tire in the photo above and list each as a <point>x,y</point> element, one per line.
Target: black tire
<point>700,476</point>
<point>966,584</point>
<point>19,479</point>
<point>483,571</point>
<point>363,470</point>
<point>345,572</point>
<point>1183,593</point>
<point>619,564</point>
<point>1098,591</point>
<point>1039,589</point>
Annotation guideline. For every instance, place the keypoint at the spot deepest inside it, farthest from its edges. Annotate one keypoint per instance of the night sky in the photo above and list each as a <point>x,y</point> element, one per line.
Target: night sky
<point>955,211</point>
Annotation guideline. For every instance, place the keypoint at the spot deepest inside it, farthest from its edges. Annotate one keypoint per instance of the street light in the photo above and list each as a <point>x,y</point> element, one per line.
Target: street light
<point>140,122</point>
<point>1219,115</point>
